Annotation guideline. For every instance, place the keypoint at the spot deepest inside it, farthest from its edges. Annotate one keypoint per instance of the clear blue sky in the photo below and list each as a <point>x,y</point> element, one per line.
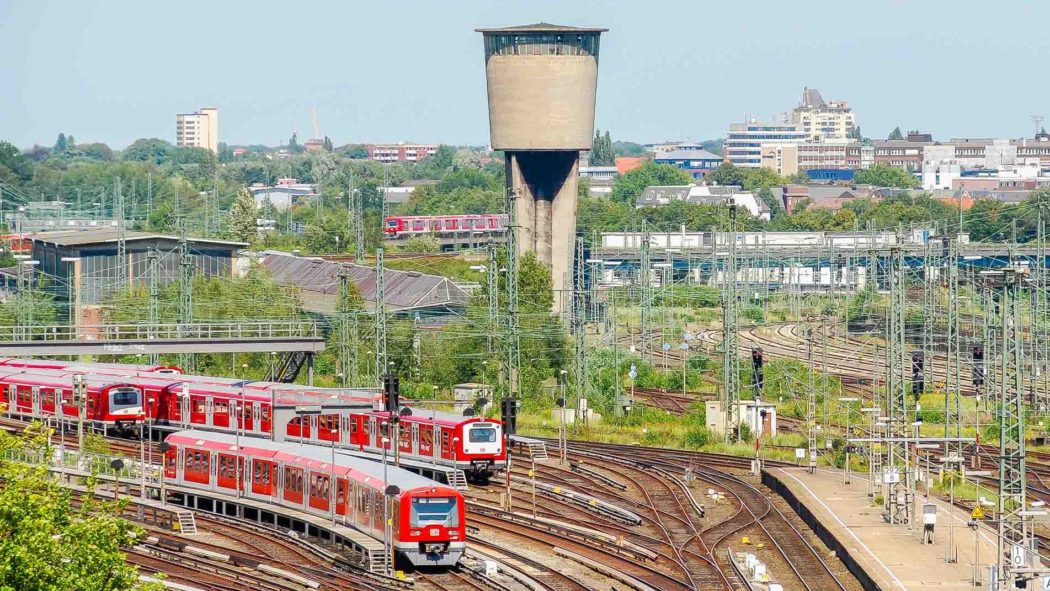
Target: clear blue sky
<point>412,69</point>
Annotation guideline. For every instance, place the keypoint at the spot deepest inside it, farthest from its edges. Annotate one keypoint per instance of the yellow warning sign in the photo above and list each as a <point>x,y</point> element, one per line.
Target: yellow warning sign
<point>977,513</point>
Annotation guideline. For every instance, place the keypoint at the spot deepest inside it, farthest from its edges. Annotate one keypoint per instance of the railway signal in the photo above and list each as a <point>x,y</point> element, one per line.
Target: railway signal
<point>509,415</point>
<point>918,379</point>
<point>392,393</point>
<point>978,366</point>
<point>757,377</point>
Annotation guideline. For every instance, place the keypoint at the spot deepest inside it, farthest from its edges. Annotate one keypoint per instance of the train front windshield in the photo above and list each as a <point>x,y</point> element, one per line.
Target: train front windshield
<point>125,398</point>
<point>482,435</point>
<point>434,511</point>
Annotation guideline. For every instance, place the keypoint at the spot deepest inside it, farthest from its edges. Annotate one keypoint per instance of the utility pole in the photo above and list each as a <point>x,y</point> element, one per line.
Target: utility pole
<point>348,333</point>
<point>579,331</point>
<point>185,293</point>
<point>381,367</point>
<point>122,245</point>
<point>646,295</point>
<point>492,276</point>
<point>898,425</point>
<point>730,360</point>
<point>811,404</point>
<point>154,297</point>
<point>1015,543</point>
<point>953,365</point>
<point>512,344</point>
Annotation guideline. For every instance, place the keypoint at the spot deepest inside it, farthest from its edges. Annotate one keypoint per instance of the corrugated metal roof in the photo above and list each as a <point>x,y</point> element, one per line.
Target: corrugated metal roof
<point>105,235</point>
<point>404,289</point>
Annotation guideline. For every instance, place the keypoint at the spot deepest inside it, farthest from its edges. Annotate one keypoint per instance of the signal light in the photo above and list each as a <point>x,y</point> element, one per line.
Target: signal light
<point>757,377</point>
<point>509,408</point>
<point>978,366</point>
<point>918,379</point>
<point>392,393</point>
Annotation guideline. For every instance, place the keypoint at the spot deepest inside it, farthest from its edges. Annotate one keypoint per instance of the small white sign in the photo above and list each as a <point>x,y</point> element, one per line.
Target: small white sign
<point>891,476</point>
<point>800,453</point>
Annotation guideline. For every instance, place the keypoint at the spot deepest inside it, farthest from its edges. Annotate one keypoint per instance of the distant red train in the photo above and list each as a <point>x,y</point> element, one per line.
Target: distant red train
<point>416,225</point>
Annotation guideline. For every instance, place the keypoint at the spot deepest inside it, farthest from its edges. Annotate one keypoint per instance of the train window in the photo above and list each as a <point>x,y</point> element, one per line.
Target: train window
<point>288,482</point>
<point>325,489</point>
<point>444,439</point>
<point>221,407</point>
<point>49,395</point>
<point>198,405</point>
<point>265,412</point>
<point>222,466</point>
<point>266,474</point>
<point>23,396</point>
<point>340,492</point>
<point>204,462</point>
<point>125,397</point>
<point>353,424</point>
<point>256,472</point>
<point>434,511</point>
<point>482,435</point>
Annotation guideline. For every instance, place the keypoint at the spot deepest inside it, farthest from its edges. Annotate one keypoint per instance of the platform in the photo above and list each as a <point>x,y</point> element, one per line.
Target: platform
<point>892,556</point>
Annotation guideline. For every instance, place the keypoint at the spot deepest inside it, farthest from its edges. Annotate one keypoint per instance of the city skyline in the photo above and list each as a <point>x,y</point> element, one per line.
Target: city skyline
<point>375,75</point>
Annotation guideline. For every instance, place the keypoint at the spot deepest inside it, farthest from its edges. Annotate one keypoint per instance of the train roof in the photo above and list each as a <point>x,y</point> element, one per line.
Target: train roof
<point>59,378</point>
<point>439,417</point>
<point>312,456</point>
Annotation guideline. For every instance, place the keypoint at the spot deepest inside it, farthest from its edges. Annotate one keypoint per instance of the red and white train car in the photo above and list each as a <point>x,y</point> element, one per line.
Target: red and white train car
<point>416,225</point>
<point>471,444</point>
<point>111,403</point>
<point>429,524</point>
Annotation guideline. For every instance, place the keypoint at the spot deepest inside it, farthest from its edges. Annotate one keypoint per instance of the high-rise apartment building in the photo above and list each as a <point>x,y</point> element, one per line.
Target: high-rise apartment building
<point>198,130</point>
<point>744,141</point>
<point>824,121</point>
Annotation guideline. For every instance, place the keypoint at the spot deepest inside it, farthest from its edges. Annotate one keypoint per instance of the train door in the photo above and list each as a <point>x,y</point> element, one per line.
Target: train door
<point>265,422</point>
<point>426,440</point>
<point>227,477</point>
<point>405,437</point>
<point>246,414</point>
<point>254,419</point>
<point>184,410</point>
<point>197,414</point>
<point>446,443</point>
<point>340,496</point>
<point>37,407</point>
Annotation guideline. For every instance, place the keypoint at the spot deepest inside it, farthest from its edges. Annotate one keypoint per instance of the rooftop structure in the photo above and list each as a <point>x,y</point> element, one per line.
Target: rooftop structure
<point>697,163</point>
<point>744,141</point>
<point>406,291</point>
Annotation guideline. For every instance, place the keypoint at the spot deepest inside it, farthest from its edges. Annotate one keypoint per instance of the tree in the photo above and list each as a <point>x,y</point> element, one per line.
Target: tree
<point>13,165</point>
<point>883,175</point>
<point>602,150</point>
<point>896,134</point>
<point>60,144</point>
<point>50,544</point>
<point>356,152</point>
<point>628,187</point>
<point>152,150</point>
<point>761,178</point>
<point>96,151</point>
<point>225,153</point>
<point>726,174</point>
<point>442,158</point>
<point>327,144</point>
<point>243,227</point>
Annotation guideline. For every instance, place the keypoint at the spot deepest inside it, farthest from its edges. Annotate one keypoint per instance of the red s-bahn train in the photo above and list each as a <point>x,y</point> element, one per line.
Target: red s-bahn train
<point>415,225</point>
<point>471,444</point>
<point>429,525</point>
<point>111,403</point>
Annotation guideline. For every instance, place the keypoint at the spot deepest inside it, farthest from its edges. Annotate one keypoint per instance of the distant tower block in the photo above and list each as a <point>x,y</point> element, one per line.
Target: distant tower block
<point>542,80</point>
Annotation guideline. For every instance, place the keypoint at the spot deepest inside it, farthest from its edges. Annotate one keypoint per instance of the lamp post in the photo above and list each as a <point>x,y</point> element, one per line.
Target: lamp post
<point>845,402</point>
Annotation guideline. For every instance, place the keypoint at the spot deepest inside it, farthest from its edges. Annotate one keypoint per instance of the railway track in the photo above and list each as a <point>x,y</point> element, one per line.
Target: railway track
<point>753,513</point>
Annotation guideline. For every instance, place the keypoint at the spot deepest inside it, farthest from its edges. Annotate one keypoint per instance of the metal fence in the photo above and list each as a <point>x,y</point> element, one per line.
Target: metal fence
<point>239,330</point>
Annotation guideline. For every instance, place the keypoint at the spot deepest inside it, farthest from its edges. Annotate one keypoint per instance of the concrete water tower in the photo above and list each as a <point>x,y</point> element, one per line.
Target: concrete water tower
<point>541,88</point>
